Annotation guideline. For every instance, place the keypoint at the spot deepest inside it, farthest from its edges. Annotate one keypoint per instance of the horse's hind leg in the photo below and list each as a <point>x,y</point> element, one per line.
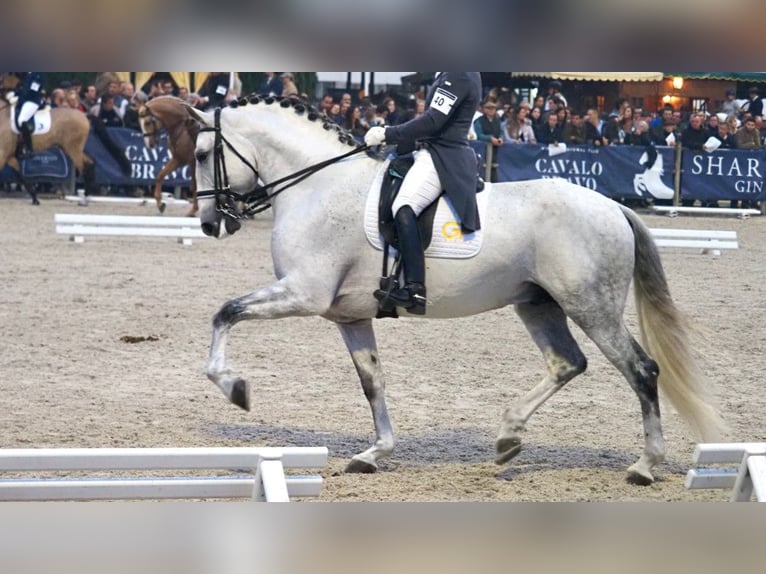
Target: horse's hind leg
<point>360,341</point>
<point>547,324</point>
<point>624,352</point>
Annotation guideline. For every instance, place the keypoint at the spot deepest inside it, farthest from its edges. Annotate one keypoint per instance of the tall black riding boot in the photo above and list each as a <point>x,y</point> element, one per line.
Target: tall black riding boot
<point>26,139</point>
<point>413,295</point>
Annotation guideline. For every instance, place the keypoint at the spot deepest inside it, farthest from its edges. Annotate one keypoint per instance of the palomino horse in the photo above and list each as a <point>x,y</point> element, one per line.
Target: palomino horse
<point>172,114</point>
<point>552,249</point>
<point>69,130</point>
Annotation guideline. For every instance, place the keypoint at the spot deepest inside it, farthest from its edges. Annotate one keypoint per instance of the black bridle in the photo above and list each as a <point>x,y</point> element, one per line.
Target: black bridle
<point>259,199</point>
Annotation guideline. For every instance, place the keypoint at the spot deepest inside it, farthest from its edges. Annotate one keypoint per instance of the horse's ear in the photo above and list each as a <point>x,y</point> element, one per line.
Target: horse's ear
<point>202,118</point>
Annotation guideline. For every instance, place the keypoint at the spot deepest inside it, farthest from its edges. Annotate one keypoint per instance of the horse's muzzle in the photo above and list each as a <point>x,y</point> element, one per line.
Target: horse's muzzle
<point>213,228</point>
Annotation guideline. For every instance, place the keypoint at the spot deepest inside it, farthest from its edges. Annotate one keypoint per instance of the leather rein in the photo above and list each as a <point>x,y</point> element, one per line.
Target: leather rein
<point>259,199</point>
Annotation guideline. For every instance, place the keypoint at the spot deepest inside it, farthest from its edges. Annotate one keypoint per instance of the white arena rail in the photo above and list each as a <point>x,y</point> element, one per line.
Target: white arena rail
<point>744,480</point>
<point>252,472</point>
<point>82,199</point>
<point>674,211</point>
<point>78,226</point>
<point>705,240</point>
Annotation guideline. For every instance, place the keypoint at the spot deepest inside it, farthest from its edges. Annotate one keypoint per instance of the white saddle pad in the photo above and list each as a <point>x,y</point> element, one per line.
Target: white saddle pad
<point>42,121</point>
<point>448,240</point>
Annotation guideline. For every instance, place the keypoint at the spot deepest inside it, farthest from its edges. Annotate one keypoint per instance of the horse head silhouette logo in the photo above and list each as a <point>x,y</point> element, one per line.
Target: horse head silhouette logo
<point>650,182</point>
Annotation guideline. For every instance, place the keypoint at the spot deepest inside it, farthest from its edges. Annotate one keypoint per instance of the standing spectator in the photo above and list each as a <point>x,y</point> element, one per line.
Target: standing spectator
<point>394,117</point>
<point>288,84</point>
<point>536,118</point>
<point>754,105</point>
<point>594,127</point>
<point>91,97</point>
<point>518,127</point>
<point>574,131</point>
<point>354,123</point>
<point>711,125</point>
<point>639,135</point>
<point>748,137</point>
<point>619,126</point>
<point>667,135</point>
<point>660,121</point>
<point>733,124</point>
<point>550,132</point>
<point>58,98</point>
<point>183,93</point>
<point>272,84</point>
<point>723,135</point>
<point>539,102</point>
<point>420,108</point>
<point>488,129</point>
<point>73,101</point>
<point>325,104</point>
<point>555,98</point>
<point>694,136</point>
<point>107,113</point>
<point>729,106</point>
<point>130,119</point>
<point>168,89</point>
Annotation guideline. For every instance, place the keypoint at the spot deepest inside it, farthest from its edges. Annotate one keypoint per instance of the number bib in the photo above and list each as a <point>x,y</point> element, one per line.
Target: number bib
<point>443,101</point>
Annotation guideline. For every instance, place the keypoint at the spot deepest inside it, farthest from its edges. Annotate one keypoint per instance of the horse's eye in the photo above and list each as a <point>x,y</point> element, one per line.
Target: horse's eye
<point>202,156</point>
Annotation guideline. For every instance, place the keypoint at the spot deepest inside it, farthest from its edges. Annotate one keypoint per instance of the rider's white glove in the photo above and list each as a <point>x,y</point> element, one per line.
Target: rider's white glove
<point>375,136</point>
<point>12,98</point>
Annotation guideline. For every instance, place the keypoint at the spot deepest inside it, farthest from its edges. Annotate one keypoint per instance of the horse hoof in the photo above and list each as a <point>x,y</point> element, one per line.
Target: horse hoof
<point>162,207</point>
<point>359,466</point>
<point>639,478</point>
<point>506,449</point>
<point>35,202</point>
<point>240,394</point>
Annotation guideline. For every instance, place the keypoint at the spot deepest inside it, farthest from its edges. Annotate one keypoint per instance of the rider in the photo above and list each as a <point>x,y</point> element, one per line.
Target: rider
<point>215,89</point>
<point>443,161</point>
<point>30,98</point>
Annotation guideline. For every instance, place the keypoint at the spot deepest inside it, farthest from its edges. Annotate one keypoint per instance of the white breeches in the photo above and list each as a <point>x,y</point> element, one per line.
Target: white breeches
<point>421,186</point>
<point>28,109</point>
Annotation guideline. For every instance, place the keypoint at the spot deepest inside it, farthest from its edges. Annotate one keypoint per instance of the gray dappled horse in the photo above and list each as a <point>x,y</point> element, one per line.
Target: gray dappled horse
<point>552,249</point>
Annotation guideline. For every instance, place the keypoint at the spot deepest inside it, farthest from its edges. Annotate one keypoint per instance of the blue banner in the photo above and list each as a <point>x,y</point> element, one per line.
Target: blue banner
<point>614,171</point>
<point>734,174</point>
<point>145,163</point>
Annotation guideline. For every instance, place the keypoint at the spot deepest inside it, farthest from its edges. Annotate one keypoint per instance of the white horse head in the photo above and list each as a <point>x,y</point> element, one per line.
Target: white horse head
<point>231,161</point>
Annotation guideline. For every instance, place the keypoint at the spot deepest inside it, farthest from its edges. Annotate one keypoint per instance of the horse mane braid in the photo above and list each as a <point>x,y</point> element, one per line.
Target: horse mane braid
<point>302,108</point>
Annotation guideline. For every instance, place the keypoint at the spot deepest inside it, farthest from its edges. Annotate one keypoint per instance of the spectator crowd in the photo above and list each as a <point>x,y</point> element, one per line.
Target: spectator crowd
<point>501,119</point>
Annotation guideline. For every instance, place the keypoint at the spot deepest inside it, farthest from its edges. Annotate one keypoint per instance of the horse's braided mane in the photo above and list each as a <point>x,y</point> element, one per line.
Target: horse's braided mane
<point>302,108</point>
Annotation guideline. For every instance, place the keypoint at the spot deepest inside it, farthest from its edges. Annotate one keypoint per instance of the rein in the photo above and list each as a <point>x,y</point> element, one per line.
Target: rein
<point>259,199</point>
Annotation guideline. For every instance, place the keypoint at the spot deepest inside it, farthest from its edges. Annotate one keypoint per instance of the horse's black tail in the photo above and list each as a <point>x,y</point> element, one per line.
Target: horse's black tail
<point>114,150</point>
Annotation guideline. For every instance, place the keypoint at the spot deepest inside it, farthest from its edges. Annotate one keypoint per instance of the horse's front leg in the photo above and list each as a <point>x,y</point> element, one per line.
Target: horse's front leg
<point>273,302</point>
<point>21,180</point>
<point>169,167</point>
<point>360,341</point>
<point>195,202</point>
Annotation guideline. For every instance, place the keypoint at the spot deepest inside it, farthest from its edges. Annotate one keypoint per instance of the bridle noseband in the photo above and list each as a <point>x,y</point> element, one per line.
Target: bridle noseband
<point>259,199</point>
